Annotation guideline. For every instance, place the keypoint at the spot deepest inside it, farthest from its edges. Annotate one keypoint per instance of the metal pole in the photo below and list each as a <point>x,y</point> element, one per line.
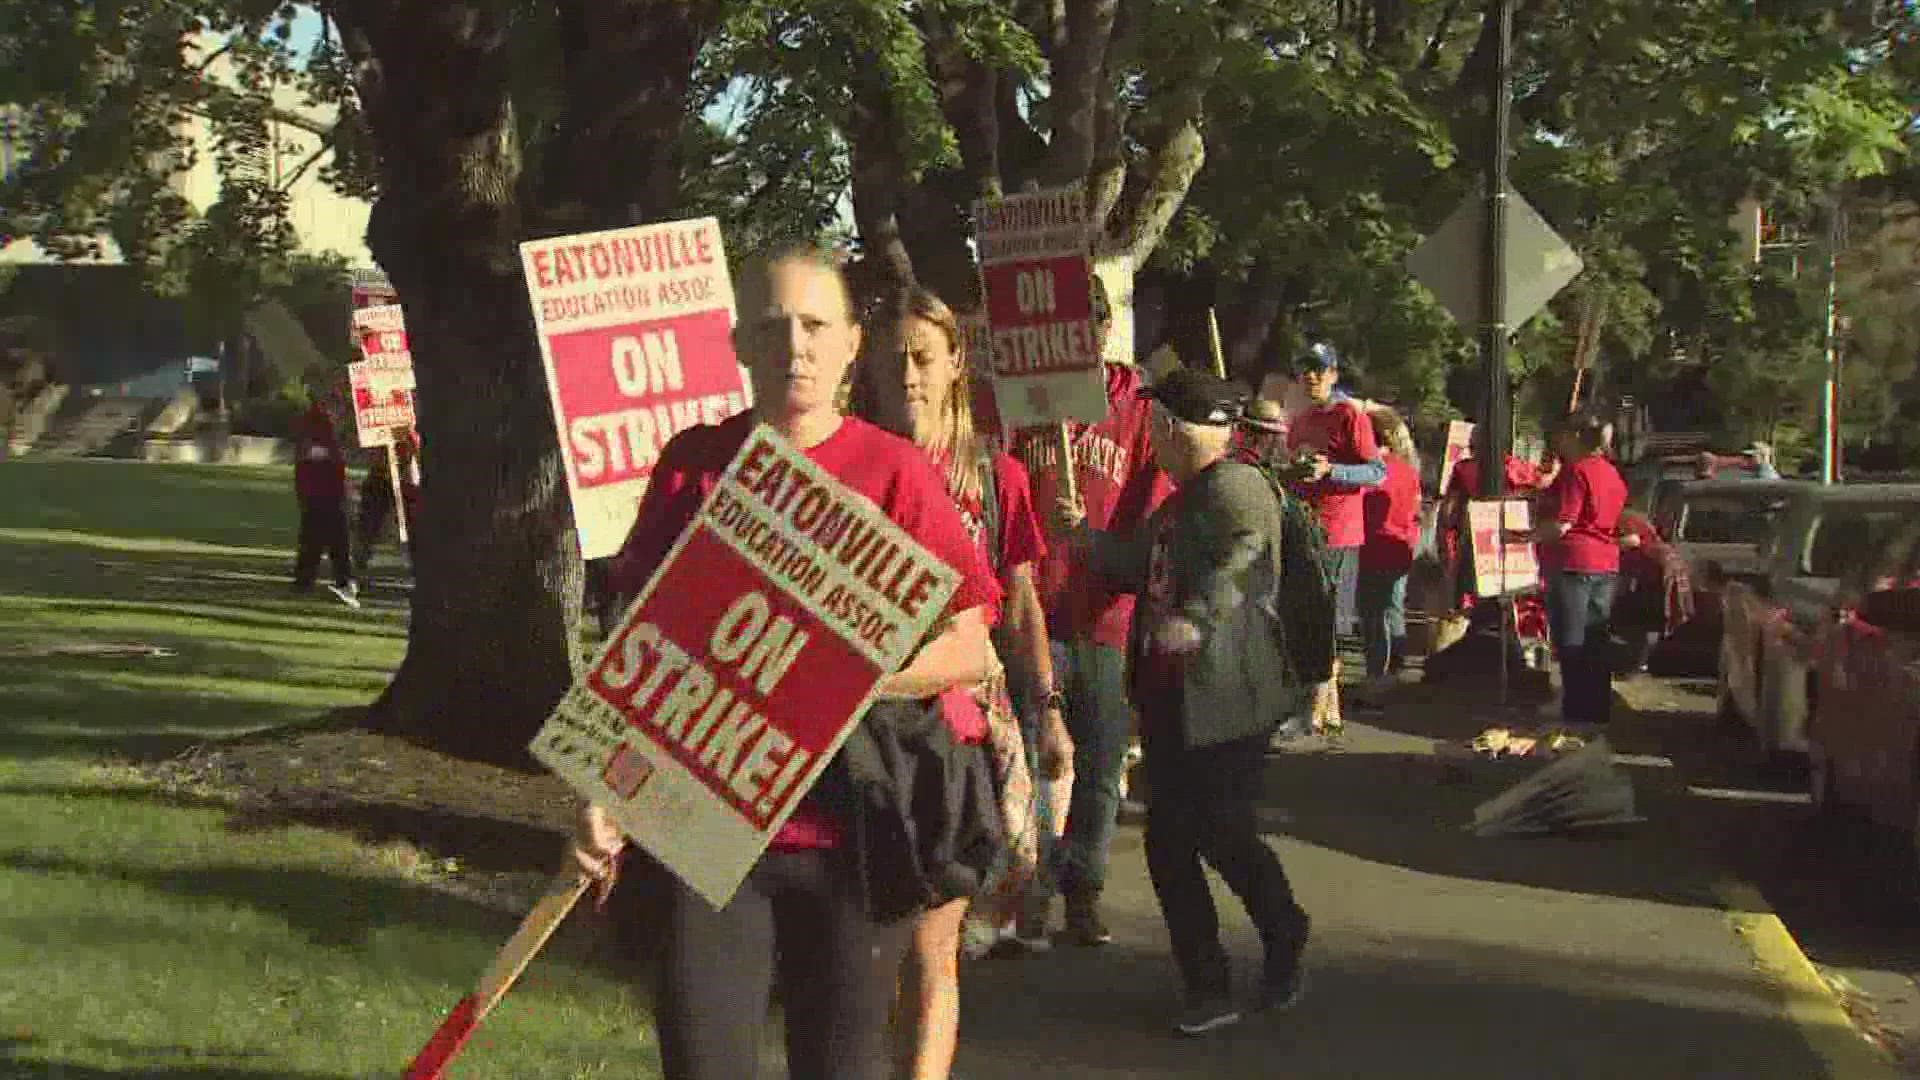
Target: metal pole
<point>1495,433</point>
<point>1830,387</point>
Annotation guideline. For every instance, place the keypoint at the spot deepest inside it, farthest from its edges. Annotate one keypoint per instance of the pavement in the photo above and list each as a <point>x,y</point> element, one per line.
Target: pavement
<point>1629,953</point>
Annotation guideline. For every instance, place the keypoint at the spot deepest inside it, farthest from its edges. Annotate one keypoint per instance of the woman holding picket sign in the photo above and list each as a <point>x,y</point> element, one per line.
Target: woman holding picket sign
<point>811,913</point>
<point>918,383</point>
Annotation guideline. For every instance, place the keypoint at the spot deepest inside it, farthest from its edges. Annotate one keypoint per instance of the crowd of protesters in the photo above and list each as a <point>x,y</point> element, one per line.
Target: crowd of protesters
<point>1141,598</point>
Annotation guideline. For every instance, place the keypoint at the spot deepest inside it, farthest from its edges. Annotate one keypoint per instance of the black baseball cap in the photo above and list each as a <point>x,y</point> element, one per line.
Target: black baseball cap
<point>1196,397</point>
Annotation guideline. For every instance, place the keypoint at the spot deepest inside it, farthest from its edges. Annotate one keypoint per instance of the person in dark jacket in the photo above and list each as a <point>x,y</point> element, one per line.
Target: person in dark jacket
<point>320,483</point>
<point>1203,660</point>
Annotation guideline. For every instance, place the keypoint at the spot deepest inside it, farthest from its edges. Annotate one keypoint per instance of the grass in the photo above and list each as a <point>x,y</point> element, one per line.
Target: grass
<point>145,935</point>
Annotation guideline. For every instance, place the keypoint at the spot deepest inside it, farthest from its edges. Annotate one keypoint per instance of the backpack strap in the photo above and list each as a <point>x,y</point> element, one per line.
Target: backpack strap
<point>989,508</point>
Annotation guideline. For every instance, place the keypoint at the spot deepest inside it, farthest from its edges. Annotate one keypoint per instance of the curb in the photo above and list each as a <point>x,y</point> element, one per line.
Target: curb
<point>1811,1004</point>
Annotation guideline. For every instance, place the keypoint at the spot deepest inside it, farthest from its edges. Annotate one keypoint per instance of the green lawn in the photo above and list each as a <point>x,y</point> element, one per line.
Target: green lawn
<point>142,935</point>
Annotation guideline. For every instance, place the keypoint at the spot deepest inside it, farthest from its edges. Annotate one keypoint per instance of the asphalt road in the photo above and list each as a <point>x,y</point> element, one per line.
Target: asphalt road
<point>1437,953</point>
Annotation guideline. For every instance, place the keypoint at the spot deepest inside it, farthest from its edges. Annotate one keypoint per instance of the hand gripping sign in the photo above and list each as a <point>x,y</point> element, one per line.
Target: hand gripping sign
<point>636,328</point>
<point>382,380</point>
<point>1035,265</point>
<point>744,664</point>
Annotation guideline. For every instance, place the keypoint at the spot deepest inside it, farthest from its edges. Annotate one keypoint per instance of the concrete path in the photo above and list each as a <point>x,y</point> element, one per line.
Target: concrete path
<point>1436,953</point>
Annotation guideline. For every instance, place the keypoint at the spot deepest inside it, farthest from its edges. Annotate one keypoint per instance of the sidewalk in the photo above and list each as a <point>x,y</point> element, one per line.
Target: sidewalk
<point>1435,954</point>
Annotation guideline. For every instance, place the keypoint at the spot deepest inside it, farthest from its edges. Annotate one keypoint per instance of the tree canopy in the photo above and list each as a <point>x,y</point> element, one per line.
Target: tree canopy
<point>1275,159</point>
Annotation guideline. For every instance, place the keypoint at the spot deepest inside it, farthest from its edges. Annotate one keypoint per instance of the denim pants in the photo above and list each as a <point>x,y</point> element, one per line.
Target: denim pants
<point>1032,716</point>
<point>1382,599</point>
<point>1578,608</point>
<point>1343,567</point>
<point>1100,719</point>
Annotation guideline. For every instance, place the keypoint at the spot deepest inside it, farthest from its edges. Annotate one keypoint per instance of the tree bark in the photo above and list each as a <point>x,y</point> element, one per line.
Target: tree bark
<point>497,571</point>
<point>616,159</point>
<point>1078,62</point>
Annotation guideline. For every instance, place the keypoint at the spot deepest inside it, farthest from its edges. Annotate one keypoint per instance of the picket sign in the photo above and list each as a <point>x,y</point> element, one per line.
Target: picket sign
<point>1502,566</point>
<point>1036,272</point>
<point>636,332</point>
<point>382,383</point>
<point>744,664</point>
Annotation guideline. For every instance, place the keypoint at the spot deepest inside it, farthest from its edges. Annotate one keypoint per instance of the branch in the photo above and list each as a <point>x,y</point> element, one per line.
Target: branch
<point>1160,186</point>
<point>1076,80</point>
<point>878,178</point>
<point>327,144</point>
<point>967,90</point>
<point>1431,55</point>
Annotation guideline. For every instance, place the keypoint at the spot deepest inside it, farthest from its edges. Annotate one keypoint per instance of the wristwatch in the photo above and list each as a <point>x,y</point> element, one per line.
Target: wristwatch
<point>1056,700</point>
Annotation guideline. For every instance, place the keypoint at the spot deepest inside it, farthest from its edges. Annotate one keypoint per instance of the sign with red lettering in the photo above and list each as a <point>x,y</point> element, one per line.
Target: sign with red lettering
<point>976,341</point>
<point>636,330</point>
<point>1459,445</point>
<point>1036,269</point>
<point>744,664</point>
<point>1501,565</point>
<point>382,380</point>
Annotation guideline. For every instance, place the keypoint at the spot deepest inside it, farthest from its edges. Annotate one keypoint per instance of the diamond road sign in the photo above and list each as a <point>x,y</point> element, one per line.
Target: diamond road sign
<point>1539,263</point>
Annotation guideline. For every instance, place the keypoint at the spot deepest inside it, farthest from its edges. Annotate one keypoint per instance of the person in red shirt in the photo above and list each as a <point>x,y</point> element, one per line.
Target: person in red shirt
<point>802,915</point>
<point>1346,463</point>
<point>320,483</point>
<point>918,383</point>
<point>1392,519</point>
<point>1580,558</point>
<point>1119,485</point>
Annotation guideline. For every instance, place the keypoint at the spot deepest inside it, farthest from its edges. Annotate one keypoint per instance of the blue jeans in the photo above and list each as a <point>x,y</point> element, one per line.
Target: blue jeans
<point>1100,719</point>
<point>1382,599</point>
<point>1578,608</point>
<point>1031,716</point>
<point>1343,567</point>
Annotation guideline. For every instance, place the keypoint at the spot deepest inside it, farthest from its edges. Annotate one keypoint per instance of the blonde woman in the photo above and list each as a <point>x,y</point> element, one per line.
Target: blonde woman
<point>919,385</point>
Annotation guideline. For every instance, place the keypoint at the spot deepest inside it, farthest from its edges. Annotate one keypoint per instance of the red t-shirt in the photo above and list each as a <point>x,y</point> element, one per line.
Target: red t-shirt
<point>1019,542</point>
<point>1342,431</point>
<point>1465,478</point>
<point>1587,498</point>
<point>1392,513</point>
<point>884,467</point>
<point>1120,485</point>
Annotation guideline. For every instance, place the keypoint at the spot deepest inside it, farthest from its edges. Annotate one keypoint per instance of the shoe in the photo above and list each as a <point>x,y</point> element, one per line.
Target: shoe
<point>1283,982</point>
<point>1030,929</point>
<point>1206,1012</point>
<point>1084,925</point>
<point>348,594</point>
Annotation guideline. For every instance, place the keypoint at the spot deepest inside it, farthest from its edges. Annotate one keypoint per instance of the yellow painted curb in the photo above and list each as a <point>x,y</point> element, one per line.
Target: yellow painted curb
<point>1811,1004</point>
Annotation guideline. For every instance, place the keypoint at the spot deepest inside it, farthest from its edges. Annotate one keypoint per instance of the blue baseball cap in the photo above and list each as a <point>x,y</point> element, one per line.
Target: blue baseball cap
<point>1319,356</point>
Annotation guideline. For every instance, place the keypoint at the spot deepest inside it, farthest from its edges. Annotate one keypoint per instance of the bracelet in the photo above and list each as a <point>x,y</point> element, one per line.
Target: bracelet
<point>1056,700</point>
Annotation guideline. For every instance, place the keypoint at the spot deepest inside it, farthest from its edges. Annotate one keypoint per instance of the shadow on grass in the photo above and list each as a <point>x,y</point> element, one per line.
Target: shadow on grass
<point>206,504</point>
<point>489,844</point>
<point>164,1063</point>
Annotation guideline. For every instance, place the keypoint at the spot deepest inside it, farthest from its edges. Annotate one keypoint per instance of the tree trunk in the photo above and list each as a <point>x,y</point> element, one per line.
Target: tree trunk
<point>497,570</point>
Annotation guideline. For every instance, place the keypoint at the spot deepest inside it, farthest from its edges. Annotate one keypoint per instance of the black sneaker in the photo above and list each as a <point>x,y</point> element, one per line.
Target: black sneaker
<point>1205,1013</point>
<point>1283,982</point>
<point>1084,925</point>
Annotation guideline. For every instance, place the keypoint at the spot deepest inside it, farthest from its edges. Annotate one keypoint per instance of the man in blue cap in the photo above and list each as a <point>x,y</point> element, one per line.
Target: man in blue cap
<point>1347,461</point>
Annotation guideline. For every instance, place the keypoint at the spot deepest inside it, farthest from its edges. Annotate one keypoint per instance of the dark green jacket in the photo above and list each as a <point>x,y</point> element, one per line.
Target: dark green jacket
<point>1224,555</point>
